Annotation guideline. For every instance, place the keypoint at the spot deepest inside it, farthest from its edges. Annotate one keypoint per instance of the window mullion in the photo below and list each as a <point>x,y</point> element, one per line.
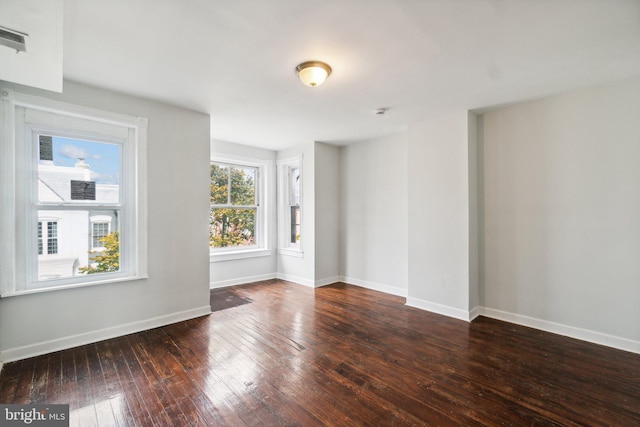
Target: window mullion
<point>234,206</point>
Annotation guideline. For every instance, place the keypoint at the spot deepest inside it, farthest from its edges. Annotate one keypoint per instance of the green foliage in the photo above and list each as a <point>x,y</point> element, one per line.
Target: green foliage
<point>107,260</point>
<point>219,184</point>
<point>231,220</point>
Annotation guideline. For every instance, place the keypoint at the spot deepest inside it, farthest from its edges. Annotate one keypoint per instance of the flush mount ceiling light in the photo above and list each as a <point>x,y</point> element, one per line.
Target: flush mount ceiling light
<point>313,73</point>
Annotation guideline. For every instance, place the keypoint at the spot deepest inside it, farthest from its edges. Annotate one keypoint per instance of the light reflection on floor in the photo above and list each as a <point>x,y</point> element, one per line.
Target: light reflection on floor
<point>111,408</point>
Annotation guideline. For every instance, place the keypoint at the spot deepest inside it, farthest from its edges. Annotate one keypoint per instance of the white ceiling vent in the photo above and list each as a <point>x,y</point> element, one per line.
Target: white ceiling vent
<point>13,39</point>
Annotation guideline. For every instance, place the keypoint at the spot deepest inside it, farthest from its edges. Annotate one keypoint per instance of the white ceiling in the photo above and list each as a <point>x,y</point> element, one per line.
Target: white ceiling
<point>418,58</point>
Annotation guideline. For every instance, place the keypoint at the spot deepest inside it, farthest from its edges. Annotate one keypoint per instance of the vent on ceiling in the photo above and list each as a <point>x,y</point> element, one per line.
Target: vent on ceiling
<point>13,39</point>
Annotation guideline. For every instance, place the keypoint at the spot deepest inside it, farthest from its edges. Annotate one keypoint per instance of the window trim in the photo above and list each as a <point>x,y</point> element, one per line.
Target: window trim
<point>14,246</point>
<point>261,247</point>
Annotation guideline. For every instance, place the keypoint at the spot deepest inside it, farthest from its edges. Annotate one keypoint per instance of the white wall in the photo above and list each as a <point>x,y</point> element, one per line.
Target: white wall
<point>327,213</point>
<point>562,209</point>
<point>178,284</point>
<point>474,167</point>
<point>226,273</point>
<point>373,214</point>
<point>439,209</point>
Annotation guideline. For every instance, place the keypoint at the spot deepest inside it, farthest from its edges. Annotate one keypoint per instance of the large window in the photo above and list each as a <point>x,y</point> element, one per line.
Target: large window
<point>236,215</point>
<point>74,179</point>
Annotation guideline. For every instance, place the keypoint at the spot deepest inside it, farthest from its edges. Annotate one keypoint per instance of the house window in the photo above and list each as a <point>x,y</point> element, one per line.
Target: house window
<point>290,206</point>
<point>52,238</point>
<point>82,167</point>
<point>47,241</point>
<point>99,230</point>
<point>234,213</point>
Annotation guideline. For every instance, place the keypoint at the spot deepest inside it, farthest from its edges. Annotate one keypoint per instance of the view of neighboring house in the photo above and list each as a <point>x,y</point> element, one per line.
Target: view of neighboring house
<point>66,237</point>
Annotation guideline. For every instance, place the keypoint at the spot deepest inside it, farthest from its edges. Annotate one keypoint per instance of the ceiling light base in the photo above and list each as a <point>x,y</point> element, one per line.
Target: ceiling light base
<point>313,73</point>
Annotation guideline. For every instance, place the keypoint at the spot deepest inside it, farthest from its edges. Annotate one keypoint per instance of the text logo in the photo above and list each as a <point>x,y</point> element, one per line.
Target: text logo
<point>41,415</point>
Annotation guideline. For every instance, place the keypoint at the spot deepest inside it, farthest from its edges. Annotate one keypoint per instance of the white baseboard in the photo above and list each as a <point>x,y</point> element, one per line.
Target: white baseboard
<point>38,349</point>
<point>241,280</point>
<point>475,312</point>
<point>295,279</point>
<point>565,330</point>
<point>327,281</point>
<point>392,290</point>
<point>439,308</point>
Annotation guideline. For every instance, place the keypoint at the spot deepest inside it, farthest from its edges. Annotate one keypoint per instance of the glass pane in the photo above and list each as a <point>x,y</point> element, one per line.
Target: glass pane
<point>231,227</point>
<point>40,248</point>
<point>72,170</point>
<point>295,224</point>
<point>52,237</point>
<point>219,184</point>
<point>66,247</point>
<point>294,186</point>
<point>243,186</point>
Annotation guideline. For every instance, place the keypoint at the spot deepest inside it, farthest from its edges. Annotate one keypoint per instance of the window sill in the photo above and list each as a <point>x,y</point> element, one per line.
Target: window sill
<point>19,292</point>
<point>291,252</point>
<point>234,255</point>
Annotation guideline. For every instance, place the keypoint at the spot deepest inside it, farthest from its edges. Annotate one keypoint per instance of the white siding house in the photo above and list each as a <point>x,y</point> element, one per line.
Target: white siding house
<point>65,238</point>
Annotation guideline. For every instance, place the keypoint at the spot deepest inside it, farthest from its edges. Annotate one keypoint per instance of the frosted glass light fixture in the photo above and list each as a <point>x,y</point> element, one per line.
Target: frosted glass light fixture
<point>313,73</point>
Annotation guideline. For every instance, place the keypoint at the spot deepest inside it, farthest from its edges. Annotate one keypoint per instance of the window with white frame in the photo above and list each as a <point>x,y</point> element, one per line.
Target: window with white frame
<point>290,206</point>
<point>47,237</point>
<point>236,216</point>
<point>100,230</point>
<point>82,167</point>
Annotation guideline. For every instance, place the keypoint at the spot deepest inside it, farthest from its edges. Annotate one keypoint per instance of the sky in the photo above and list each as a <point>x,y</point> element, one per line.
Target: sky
<point>103,158</point>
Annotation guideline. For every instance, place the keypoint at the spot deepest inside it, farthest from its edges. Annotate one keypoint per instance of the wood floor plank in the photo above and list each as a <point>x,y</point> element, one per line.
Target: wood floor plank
<point>169,408</point>
<point>136,401</point>
<point>123,403</point>
<point>100,391</point>
<point>110,384</point>
<point>86,411</point>
<point>24,381</point>
<point>278,364</point>
<point>38,388</point>
<point>54,378</point>
<point>9,379</point>
<point>276,353</point>
<point>191,352</point>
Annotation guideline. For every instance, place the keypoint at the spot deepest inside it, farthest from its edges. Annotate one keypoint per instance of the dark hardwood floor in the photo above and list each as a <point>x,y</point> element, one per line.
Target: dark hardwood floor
<point>276,353</point>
